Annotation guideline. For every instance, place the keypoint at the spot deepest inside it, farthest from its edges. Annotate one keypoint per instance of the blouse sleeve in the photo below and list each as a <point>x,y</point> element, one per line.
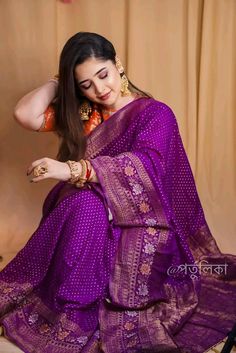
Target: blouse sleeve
<point>49,120</point>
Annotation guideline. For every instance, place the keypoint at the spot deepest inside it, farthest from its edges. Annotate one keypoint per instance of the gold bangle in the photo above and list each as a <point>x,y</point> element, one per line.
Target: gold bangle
<point>84,169</point>
<point>79,176</point>
<point>82,179</point>
<point>74,171</point>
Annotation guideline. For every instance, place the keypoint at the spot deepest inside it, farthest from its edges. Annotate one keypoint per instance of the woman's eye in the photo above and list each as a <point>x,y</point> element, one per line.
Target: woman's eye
<point>104,76</point>
<point>86,87</point>
<point>101,78</point>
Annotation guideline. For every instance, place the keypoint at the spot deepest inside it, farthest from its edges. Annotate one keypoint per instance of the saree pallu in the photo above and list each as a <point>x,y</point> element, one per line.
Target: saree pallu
<point>128,265</point>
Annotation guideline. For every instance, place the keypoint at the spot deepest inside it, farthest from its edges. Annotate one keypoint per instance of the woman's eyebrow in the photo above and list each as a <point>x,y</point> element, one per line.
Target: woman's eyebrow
<point>93,75</point>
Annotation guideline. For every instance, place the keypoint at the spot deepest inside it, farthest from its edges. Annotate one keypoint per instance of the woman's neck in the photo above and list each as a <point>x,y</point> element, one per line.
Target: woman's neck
<point>123,102</point>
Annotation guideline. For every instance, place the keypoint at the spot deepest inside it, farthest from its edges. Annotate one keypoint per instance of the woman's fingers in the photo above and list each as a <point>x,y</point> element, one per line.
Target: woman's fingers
<point>45,168</point>
<point>41,177</point>
<point>42,161</point>
<point>40,170</point>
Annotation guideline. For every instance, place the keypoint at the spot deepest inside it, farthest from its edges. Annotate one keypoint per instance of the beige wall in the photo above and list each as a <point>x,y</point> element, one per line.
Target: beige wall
<point>181,51</point>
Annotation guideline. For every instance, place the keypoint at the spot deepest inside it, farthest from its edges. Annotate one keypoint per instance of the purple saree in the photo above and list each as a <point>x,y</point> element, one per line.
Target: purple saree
<point>127,265</point>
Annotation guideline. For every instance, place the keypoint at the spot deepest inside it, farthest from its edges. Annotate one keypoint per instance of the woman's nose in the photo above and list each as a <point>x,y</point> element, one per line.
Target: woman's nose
<point>99,88</point>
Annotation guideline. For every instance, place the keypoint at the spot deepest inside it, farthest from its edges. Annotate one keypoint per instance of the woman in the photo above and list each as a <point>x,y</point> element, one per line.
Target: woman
<point>112,266</point>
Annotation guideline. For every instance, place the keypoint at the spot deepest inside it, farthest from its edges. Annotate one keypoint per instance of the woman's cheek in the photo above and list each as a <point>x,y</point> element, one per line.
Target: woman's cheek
<point>113,83</point>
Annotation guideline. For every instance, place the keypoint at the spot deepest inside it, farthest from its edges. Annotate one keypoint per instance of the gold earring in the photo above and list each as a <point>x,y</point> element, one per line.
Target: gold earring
<point>124,86</point>
<point>85,110</point>
<point>124,80</point>
<point>119,66</point>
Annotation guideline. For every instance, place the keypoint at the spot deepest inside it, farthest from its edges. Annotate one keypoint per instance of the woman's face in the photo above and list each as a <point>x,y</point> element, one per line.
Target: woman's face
<point>99,81</point>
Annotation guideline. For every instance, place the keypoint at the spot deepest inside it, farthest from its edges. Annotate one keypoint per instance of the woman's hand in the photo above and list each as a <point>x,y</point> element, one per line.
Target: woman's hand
<point>54,169</point>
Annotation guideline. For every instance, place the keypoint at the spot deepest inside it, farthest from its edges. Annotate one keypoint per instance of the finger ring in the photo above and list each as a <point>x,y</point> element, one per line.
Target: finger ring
<point>40,170</point>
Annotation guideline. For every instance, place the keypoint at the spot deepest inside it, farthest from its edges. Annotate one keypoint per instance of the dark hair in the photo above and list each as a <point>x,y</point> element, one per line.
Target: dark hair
<point>69,126</point>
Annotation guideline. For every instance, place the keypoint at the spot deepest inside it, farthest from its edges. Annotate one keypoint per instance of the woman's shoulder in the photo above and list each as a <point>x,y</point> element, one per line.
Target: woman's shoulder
<point>155,109</point>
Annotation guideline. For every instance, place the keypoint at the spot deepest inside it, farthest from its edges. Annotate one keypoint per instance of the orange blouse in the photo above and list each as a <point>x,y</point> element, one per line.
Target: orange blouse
<point>89,125</point>
<point>49,120</point>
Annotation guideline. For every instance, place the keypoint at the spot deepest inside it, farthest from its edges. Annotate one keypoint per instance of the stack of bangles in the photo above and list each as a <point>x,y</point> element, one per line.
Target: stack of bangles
<point>78,177</point>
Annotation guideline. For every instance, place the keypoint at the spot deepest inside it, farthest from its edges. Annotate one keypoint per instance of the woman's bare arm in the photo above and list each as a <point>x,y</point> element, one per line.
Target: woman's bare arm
<point>29,111</point>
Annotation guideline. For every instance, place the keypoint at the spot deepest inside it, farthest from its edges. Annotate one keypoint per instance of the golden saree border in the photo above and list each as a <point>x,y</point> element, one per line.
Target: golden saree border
<point>152,327</point>
<point>33,319</point>
<point>112,128</point>
<point>12,294</point>
<point>202,243</point>
<point>128,190</point>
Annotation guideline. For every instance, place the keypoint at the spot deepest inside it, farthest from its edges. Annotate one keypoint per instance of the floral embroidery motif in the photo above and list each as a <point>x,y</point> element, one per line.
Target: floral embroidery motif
<point>33,318</point>
<point>15,293</point>
<point>130,332</point>
<point>129,170</point>
<point>143,290</point>
<point>131,313</point>
<point>145,269</point>
<point>144,207</point>
<point>151,222</point>
<point>64,330</point>
<point>137,189</point>
<point>151,236</point>
<point>129,326</point>
<point>151,231</point>
<point>149,249</point>
<point>44,328</point>
<point>141,199</point>
<point>133,342</point>
<point>62,334</point>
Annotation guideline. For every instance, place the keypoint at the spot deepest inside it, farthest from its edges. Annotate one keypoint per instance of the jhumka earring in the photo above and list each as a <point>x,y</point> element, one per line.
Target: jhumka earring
<point>85,110</point>
<point>124,86</point>
<point>124,80</point>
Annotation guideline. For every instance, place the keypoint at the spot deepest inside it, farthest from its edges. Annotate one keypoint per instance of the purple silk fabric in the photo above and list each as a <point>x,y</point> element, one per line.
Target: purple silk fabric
<point>86,282</point>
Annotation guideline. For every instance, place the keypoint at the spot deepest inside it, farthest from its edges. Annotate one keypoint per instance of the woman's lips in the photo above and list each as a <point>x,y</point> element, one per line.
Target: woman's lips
<point>105,96</point>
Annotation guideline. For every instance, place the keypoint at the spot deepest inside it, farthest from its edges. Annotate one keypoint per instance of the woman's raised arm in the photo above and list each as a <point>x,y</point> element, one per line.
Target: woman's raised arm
<point>29,111</point>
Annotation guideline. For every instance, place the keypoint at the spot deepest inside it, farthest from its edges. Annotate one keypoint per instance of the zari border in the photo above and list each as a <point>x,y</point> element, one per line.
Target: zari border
<point>32,320</point>
<point>113,127</point>
<point>128,190</point>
